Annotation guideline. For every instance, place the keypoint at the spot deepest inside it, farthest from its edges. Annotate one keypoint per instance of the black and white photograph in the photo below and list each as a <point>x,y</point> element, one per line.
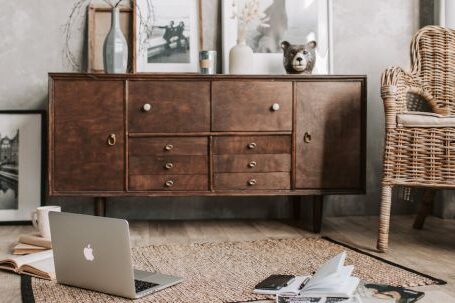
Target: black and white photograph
<point>296,21</point>
<point>21,182</point>
<point>9,165</point>
<point>166,35</point>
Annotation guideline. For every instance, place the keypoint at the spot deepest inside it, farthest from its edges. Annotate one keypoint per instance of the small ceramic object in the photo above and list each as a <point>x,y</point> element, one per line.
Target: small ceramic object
<point>241,59</point>
<point>115,48</point>
<point>207,62</point>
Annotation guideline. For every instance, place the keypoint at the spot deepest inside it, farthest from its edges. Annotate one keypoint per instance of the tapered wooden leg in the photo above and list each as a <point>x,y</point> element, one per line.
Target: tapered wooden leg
<point>100,206</point>
<point>384,219</point>
<point>308,212</point>
<point>426,207</point>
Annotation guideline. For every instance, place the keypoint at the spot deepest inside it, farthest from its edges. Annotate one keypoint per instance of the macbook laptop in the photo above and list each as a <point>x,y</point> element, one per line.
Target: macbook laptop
<point>94,253</point>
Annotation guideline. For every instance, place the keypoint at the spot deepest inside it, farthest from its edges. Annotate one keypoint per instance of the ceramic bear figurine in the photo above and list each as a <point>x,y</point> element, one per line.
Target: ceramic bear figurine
<point>299,58</point>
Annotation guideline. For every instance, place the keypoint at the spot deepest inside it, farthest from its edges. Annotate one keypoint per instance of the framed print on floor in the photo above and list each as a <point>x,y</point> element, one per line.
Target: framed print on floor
<point>21,164</point>
<point>296,21</point>
<point>166,35</point>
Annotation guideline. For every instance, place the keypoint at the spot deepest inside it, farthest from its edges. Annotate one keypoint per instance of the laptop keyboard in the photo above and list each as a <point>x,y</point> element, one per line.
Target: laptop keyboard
<point>143,285</point>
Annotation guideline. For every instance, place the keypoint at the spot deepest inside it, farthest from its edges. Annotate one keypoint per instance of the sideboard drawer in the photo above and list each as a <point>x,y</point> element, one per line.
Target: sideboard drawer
<point>168,106</point>
<point>168,182</point>
<point>252,181</point>
<point>252,106</point>
<point>159,146</point>
<point>144,165</point>
<point>252,163</point>
<point>277,144</point>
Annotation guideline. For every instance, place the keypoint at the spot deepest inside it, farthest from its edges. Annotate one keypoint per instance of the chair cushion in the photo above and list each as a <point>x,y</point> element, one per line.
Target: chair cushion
<point>425,119</point>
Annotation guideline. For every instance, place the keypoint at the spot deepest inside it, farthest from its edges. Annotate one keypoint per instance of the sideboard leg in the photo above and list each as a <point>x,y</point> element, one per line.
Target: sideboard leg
<point>308,212</point>
<point>100,206</point>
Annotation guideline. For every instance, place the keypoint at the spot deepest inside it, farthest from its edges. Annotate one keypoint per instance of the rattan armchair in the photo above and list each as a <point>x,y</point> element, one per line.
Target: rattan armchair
<point>423,155</point>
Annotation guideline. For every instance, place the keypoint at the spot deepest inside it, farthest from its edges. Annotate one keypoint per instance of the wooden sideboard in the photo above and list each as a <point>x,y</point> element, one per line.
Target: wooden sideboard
<point>223,135</point>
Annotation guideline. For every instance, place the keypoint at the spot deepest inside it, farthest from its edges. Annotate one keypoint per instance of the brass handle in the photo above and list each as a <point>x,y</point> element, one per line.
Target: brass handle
<point>307,137</point>
<point>252,145</point>
<point>169,165</point>
<point>252,182</point>
<point>252,164</point>
<point>275,107</point>
<point>146,107</point>
<point>169,183</point>
<point>169,147</point>
<point>111,140</point>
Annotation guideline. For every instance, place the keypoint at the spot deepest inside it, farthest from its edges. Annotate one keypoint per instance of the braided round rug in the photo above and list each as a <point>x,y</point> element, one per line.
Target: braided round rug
<point>228,271</point>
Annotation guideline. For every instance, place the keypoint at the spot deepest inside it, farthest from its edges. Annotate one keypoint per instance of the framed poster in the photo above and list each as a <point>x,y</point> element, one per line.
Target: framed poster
<point>166,35</point>
<point>21,164</point>
<point>296,21</point>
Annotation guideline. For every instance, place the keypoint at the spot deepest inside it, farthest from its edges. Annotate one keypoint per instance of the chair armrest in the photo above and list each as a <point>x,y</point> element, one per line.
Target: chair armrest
<point>396,83</point>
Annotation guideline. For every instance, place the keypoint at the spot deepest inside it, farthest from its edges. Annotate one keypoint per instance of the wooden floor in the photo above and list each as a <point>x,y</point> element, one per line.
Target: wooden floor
<point>431,251</point>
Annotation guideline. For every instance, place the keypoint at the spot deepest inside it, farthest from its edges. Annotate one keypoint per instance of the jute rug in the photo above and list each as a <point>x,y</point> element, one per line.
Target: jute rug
<point>228,271</point>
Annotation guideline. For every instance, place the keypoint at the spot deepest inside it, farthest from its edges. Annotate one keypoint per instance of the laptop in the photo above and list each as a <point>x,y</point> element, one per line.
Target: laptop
<point>94,253</point>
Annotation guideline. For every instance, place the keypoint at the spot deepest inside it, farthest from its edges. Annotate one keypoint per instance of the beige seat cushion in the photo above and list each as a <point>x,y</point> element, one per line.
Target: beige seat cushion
<point>424,119</point>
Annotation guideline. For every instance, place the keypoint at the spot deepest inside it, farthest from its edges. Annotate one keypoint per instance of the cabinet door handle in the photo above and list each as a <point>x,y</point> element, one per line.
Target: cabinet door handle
<point>169,147</point>
<point>307,137</point>
<point>252,145</point>
<point>111,140</point>
<point>275,107</point>
<point>169,165</point>
<point>252,164</point>
<point>252,182</point>
<point>169,183</point>
<point>146,107</point>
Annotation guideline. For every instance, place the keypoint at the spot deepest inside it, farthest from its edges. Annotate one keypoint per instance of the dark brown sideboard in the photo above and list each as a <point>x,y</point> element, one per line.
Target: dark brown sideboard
<point>195,135</point>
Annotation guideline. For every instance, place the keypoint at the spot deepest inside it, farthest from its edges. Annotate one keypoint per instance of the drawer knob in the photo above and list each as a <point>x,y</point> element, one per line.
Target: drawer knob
<point>146,107</point>
<point>252,164</point>
<point>111,140</point>
<point>252,145</point>
<point>307,137</point>
<point>169,147</point>
<point>169,165</point>
<point>275,107</point>
<point>252,182</point>
<point>169,183</point>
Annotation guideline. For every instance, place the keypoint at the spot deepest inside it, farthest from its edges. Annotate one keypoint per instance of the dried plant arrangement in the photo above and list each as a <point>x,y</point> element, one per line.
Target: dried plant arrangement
<point>250,13</point>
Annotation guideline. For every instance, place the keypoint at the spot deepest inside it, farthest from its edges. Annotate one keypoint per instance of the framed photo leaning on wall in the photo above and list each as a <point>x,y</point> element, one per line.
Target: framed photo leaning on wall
<point>166,35</point>
<point>296,21</point>
<point>21,164</point>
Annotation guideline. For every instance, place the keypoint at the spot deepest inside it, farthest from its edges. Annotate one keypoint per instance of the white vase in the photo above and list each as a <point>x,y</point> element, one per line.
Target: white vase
<point>115,49</point>
<point>241,59</point>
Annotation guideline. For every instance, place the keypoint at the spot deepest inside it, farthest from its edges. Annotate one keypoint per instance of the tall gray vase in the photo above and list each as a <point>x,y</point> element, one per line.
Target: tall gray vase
<point>115,49</point>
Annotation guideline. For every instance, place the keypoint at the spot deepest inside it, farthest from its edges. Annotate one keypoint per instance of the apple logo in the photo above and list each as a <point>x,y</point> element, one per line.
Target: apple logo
<point>88,253</point>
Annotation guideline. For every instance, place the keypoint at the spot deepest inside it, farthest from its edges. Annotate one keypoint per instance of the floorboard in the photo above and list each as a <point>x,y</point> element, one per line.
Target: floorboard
<point>431,250</point>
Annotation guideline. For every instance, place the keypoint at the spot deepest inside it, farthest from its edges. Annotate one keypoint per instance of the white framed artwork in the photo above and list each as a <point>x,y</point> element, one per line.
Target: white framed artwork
<point>166,35</point>
<point>296,21</point>
<point>21,171</point>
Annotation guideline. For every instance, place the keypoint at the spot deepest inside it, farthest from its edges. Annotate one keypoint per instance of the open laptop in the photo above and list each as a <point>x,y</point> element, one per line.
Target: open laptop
<point>94,253</point>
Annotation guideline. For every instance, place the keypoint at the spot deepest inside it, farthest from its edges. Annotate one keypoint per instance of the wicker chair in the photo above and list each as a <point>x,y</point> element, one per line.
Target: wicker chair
<point>419,147</point>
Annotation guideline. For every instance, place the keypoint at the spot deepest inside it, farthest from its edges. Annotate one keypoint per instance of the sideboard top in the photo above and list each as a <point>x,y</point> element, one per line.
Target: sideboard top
<point>196,76</point>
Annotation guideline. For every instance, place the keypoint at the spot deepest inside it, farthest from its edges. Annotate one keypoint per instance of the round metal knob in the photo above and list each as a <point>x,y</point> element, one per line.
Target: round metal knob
<point>146,107</point>
<point>169,183</point>
<point>275,107</point>
<point>252,145</point>
<point>169,147</point>
<point>169,165</point>
<point>252,164</point>
<point>252,182</point>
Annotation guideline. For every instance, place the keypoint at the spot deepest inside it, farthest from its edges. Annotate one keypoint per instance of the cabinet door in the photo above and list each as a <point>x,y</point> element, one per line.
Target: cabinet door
<point>88,135</point>
<point>329,135</point>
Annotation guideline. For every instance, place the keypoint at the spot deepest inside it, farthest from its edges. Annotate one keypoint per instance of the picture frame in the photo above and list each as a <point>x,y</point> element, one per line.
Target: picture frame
<point>98,26</point>
<point>22,164</point>
<point>167,35</point>
<point>272,63</point>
